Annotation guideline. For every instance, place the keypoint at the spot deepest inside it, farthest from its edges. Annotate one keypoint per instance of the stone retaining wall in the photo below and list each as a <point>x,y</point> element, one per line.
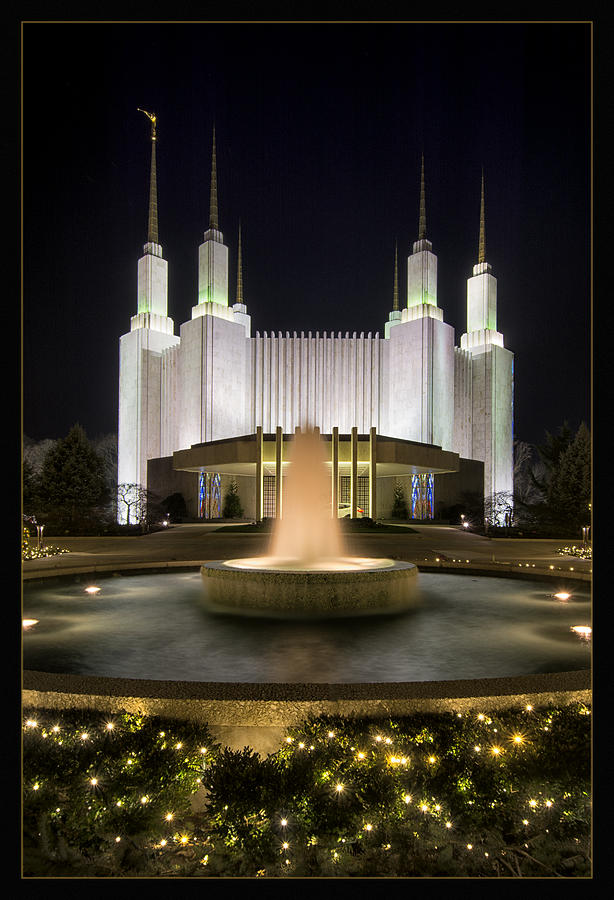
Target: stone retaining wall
<point>257,714</point>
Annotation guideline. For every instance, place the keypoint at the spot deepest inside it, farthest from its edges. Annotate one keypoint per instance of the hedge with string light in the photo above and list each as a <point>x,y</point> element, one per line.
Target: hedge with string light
<point>475,794</point>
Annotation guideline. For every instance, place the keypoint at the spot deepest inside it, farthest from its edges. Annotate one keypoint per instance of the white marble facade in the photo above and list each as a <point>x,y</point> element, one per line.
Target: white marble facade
<point>216,380</point>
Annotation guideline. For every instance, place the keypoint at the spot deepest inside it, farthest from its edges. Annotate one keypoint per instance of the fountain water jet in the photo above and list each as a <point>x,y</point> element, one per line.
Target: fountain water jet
<point>308,571</point>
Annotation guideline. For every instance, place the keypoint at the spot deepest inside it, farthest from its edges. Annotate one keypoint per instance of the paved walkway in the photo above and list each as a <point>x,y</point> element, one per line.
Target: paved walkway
<point>193,543</point>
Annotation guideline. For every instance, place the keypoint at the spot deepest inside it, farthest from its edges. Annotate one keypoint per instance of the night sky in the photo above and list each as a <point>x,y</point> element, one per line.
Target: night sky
<point>319,128</point>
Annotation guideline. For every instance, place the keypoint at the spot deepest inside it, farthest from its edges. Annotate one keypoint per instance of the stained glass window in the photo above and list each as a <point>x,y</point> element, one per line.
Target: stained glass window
<point>422,491</point>
<point>210,495</point>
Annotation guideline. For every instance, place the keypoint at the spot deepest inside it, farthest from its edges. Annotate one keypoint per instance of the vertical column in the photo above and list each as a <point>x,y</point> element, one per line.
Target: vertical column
<point>259,483</point>
<point>335,476</point>
<point>372,472</point>
<point>354,472</point>
<point>279,441</point>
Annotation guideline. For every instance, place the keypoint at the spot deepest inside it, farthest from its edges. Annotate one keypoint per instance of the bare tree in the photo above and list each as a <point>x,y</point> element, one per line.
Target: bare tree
<point>137,506</point>
<point>528,470</point>
<point>499,509</point>
<point>131,504</point>
<point>34,452</point>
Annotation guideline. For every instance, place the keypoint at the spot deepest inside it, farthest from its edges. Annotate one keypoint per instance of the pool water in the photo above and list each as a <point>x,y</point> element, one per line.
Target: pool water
<point>157,627</point>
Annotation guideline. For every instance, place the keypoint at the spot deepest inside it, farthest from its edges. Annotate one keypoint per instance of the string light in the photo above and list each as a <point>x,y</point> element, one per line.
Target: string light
<point>448,744</point>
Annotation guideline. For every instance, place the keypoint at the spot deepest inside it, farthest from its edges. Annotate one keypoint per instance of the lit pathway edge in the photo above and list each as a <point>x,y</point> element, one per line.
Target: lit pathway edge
<point>502,568</point>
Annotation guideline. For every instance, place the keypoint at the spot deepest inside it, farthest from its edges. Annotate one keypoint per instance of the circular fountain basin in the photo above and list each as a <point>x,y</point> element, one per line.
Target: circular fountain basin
<point>345,586</point>
<point>152,624</point>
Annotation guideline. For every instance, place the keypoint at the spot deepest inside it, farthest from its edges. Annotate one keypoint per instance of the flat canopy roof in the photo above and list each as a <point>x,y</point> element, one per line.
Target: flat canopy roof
<point>237,456</point>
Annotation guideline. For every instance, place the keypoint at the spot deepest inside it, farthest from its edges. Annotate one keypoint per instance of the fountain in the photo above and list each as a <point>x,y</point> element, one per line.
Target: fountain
<point>308,571</point>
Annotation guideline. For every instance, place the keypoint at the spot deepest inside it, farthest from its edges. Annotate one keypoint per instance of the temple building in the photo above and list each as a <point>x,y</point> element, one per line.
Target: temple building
<point>406,406</point>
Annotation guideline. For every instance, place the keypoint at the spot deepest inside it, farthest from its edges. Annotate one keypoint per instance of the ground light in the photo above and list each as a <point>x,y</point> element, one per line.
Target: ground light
<point>583,631</point>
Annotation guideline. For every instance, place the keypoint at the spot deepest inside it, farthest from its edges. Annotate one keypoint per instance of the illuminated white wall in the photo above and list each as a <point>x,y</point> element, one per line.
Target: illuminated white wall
<point>139,420</point>
<point>422,274</point>
<point>315,379</point>
<point>492,386</point>
<point>212,269</point>
<point>215,381</point>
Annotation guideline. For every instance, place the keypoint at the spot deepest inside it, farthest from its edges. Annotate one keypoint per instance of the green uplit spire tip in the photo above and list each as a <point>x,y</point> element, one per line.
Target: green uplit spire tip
<point>213,219</point>
<point>152,225</point>
<point>239,271</point>
<point>482,244</point>
<point>395,289</point>
<point>422,221</point>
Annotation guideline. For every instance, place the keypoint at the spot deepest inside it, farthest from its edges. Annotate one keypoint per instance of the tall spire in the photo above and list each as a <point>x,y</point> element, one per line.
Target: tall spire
<point>482,244</point>
<point>213,220</point>
<point>422,222</point>
<point>239,271</point>
<point>395,289</point>
<point>152,225</point>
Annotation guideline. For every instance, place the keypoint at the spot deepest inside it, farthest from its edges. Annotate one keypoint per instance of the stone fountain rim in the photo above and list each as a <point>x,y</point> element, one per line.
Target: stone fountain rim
<point>217,568</point>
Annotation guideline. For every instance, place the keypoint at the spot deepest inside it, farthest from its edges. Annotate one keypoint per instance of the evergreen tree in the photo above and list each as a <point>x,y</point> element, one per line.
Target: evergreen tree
<point>73,478</point>
<point>174,506</point>
<point>569,491</point>
<point>550,455</point>
<point>106,448</point>
<point>232,502</point>
<point>399,507</point>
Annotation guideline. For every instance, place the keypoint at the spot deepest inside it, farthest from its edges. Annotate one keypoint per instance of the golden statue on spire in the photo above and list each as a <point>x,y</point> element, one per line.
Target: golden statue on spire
<point>152,118</point>
<point>152,228</point>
